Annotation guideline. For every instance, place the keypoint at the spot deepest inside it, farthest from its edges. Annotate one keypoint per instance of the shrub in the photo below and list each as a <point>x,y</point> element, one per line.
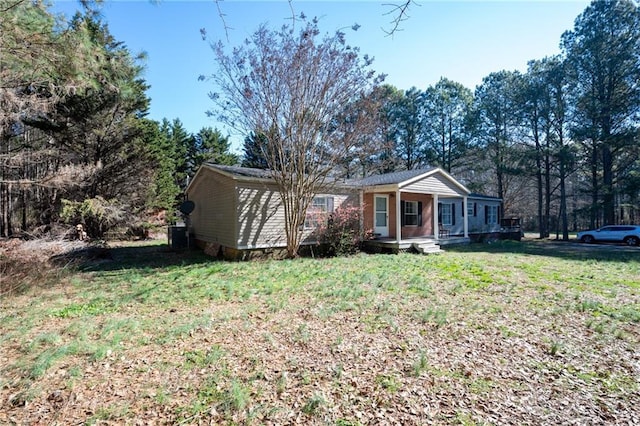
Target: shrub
<point>97,215</point>
<point>341,233</point>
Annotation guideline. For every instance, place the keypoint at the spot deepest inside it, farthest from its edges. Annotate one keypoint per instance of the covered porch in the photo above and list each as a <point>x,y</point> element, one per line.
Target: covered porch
<point>403,210</point>
<point>424,245</point>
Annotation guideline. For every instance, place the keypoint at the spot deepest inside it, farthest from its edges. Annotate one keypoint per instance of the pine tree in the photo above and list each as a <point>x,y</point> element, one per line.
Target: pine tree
<point>253,149</point>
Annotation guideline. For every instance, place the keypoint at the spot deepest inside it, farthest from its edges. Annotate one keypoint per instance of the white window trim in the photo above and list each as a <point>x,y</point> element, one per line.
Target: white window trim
<point>408,214</point>
<point>470,208</point>
<point>492,218</point>
<point>316,208</point>
<point>450,214</point>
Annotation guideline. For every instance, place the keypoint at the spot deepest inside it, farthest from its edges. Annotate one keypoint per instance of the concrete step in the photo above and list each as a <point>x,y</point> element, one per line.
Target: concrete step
<point>427,247</point>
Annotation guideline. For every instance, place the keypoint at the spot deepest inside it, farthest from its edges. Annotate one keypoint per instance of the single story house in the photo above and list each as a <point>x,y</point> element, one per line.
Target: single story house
<point>238,212</point>
<point>482,215</point>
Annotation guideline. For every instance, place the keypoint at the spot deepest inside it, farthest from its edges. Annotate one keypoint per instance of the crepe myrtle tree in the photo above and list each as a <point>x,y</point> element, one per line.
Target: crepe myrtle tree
<point>289,86</point>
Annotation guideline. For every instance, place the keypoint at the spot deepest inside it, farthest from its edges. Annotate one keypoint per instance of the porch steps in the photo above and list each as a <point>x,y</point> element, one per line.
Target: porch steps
<point>426,247</point>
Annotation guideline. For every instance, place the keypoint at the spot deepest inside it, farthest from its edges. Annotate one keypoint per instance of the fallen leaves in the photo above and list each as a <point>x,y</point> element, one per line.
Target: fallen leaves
<point>516,355</point>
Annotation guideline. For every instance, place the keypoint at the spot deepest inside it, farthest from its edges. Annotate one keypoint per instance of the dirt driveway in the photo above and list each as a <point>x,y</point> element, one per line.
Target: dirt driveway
<point>578,246</point>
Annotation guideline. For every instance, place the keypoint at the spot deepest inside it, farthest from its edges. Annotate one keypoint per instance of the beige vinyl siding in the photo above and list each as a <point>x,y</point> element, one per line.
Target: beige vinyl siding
<point>242,213</point>
<point>260,216</point>
<point>261,221</point>
<point>345,199</point>
<point>433,184</point>
<point>213,219</point>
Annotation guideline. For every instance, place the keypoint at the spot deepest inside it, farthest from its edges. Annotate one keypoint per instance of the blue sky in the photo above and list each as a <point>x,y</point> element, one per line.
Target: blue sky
<point>461,40</point>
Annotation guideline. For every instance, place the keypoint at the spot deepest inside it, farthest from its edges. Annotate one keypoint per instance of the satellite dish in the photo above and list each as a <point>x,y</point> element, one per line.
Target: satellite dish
<point>187,207</point>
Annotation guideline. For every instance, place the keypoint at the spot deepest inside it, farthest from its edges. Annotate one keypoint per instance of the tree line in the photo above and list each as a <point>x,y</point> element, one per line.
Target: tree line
<point>558,143</point>
<point>75,143</point>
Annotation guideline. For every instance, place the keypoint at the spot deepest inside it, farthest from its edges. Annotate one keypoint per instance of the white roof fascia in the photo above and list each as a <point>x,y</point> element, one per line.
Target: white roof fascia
<point>380,188</point>
<point>486,198</point>
<point>193,179</point>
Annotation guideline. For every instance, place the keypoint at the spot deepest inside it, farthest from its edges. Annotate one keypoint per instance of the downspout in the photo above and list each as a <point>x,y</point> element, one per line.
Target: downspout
<point>398,219</point>
<point>465,213</point>
<point>436,227</point>
<point>361,204</point>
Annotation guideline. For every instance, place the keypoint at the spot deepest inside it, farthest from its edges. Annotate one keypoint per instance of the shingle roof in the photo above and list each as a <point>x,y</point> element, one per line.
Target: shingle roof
<point>383,179</point>
<point>247,172</point>
<point>390,178</point>
<point>243,171</point>
<point>488,197</point>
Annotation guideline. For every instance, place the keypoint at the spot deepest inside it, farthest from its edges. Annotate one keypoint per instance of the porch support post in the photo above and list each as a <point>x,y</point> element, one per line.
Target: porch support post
<point>436,227</point>
<point>465,213</point>
<point>398,219</point>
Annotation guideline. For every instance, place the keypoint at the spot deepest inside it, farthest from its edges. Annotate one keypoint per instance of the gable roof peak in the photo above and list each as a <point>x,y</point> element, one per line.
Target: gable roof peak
<point>393,177</point>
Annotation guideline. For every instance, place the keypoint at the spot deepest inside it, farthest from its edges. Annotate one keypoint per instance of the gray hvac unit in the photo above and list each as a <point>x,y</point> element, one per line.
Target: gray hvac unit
<point>178,236</point>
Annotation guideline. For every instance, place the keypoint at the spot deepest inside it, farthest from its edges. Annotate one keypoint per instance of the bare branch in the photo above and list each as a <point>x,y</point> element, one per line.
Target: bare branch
<point>400,13</point>
<point>224,22</point>
<point>293,14</point>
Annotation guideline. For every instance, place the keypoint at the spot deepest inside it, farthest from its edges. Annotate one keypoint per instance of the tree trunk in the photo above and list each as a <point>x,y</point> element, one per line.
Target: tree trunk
<point>449,147</point>
<point>24,210</point>
<point>547,186</point>
<point>563,200</point>
<point>608,196</point>
<point>8,231</point>
<point>594,188</point>
<point>3,209</point>
<point>541,221</point>
<point>499,169</point>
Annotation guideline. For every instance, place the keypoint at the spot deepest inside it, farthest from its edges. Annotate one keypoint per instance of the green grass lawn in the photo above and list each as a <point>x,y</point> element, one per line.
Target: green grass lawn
<point>507,333</point>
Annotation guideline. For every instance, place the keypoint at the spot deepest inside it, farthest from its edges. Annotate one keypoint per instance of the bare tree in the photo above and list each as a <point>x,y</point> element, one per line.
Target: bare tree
<point>291,87</point>
<point>399,12</point>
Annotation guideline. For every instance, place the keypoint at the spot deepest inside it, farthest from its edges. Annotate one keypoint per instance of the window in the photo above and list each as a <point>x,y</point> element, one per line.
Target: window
<point>320,203</point>
<point>446,215</point>
<point>492,215</point>
<point>317,211</point>
<point>471,209</point>
<point>411,213</point>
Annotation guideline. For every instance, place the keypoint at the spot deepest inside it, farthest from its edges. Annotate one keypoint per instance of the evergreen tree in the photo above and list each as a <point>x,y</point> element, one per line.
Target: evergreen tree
<point>603,60</point>
<point>253,151</point>
<point>495,122</point>
<point>184,151</point>
<point>72,98</point>
<point>212,147</point>
<point>447,106</point>
<point>409,131</point>
<point>165,189</point>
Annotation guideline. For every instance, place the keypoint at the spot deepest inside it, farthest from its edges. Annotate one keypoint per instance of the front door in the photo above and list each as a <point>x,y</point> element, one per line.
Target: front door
<point>381,215</point>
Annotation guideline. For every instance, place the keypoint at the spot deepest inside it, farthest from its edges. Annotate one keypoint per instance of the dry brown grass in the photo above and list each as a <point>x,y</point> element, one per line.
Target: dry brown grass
<point>28,264</point>
<point>507,334</point>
